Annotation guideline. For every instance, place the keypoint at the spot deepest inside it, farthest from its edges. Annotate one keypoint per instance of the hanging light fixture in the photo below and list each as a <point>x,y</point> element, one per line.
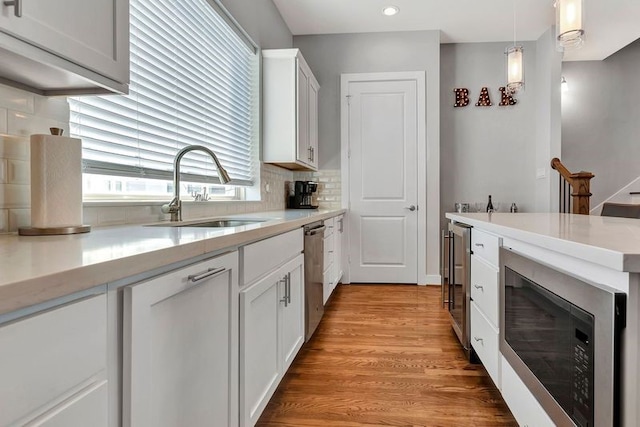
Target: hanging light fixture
<point>564,86</point>
<point>515,61</point>
<point>569,31</point>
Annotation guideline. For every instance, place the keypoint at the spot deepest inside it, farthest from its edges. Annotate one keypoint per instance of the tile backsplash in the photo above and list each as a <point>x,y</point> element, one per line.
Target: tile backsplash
<point>23,113</point>
<point>329,186</point>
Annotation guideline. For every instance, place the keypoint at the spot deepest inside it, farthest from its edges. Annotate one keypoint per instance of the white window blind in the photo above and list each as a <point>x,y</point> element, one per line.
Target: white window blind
<point>194,80</point>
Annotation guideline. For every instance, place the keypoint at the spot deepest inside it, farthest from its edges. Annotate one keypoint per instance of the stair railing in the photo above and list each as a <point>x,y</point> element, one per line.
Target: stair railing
<point>574,189</point>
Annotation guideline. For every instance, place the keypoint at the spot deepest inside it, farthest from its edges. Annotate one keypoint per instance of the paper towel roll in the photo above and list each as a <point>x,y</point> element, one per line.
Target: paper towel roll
<point>56,181</point>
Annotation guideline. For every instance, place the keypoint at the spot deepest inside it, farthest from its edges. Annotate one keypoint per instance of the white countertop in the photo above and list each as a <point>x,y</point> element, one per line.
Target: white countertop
<point>607,241</point>
<point>38,269</point>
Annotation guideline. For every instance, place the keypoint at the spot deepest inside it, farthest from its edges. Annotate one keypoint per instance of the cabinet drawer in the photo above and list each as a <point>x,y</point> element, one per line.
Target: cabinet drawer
<point>327,284</point>
<point>328,252</point>
<point>484,339</point>
<point>261,257</point>
<point>331,226</point>
<point>485,246</point>
<point>484,288</point>
<point>51,355</point>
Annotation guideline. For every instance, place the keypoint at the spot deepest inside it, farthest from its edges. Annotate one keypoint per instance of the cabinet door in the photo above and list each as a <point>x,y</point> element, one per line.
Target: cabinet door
<point>292,317</point>
<point>93,34</point>
<point>260,367</point>
<point>313,123</point>
<point>180,347</point>
<point>303,148</point>
<point>52,360</point>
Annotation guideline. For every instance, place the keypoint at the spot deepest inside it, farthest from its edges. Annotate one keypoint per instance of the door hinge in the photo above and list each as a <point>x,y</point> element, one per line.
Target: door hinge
<point>348,99</point>
<point>349,153</point>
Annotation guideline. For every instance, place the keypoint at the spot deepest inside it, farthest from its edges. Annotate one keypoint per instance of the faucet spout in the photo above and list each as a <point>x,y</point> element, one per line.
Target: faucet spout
<point>175,206</point>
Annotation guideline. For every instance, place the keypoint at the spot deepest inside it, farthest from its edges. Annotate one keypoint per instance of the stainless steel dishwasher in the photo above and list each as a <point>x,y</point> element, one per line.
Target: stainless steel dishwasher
<point>313,265</point>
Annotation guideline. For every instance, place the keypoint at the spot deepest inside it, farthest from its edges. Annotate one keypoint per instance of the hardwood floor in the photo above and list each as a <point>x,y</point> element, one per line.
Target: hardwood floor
<point>385,355</point>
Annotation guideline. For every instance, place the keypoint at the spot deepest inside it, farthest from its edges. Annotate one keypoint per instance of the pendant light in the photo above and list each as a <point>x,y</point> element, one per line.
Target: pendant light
<point>515,61</point>
<point>569,19</point>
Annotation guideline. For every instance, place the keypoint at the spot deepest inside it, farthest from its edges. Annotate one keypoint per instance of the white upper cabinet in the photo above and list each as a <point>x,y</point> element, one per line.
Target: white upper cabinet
<point>66,46</point>
<point>290,110</point>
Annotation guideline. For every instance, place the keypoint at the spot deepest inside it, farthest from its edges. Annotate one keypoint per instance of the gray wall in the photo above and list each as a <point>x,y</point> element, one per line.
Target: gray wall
<point>262,21</point>
<point>486,150</point>
<point>548,121</point>
<point>329,56</point>
<point>601,120</point>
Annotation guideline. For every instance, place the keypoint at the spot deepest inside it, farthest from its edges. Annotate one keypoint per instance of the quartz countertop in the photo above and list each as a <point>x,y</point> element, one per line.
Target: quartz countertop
<point>38,269</point>
<point>608,241</point>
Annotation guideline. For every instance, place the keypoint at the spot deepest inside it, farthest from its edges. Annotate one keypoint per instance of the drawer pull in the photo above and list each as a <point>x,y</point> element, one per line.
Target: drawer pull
<point>17,7</point>
<point>204,275</point>
<point>481,245</point>
<point>479,287</point>
<point>479,340</point>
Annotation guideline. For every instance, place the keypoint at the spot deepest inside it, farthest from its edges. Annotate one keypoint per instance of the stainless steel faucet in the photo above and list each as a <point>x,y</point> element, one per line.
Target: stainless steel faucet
<point>175,207</point>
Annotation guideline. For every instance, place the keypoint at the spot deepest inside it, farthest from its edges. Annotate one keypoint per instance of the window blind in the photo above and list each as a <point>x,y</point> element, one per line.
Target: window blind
<point>194,80</point>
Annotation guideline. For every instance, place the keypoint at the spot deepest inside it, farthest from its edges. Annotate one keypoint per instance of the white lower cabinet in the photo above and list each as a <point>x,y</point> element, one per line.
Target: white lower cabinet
<point>271,334</point>
<point>337,251</point>
<point>180,349</point>
<point>53,366</point>
<point>523,405</point>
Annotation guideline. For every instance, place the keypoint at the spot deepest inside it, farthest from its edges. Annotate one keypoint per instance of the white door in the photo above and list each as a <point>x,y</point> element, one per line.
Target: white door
<point>383,173</point>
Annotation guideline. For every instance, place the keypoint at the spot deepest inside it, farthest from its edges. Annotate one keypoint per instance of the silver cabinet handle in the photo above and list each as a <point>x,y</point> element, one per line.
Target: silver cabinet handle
<point>17,7</point>
<point>411,208</point>
<point>481,245</point>
<point>479,287</point>
<point>289,287</point>
<point>341,221</point>
<point>479,339</point>
<point>285,298</point>
<point>206,274</point>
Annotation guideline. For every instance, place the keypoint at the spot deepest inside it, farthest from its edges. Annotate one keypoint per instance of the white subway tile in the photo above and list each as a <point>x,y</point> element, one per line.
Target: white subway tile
<point>3,120</point>
<point>143,214</point>
<point>3,171</point>
<point>14,196</point>
<point>112,216</point>
<point>90,215</point>
<point>18,172</point>
<point>23,124</point>
<point>4,220</point>
<point>19,218</point>
<point>14,148</point>
<point>16,99</point>
<point>53,108</point>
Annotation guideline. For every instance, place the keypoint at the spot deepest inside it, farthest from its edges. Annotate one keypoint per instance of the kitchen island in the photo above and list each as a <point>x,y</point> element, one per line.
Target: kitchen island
<point>596,251</point>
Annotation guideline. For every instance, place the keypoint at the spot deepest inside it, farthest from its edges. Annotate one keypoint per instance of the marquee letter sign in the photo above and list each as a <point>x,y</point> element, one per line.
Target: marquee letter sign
<point>462,97</point>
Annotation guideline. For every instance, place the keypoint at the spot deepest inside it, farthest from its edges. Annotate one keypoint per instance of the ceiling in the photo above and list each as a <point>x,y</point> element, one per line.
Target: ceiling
<point>609,25</point>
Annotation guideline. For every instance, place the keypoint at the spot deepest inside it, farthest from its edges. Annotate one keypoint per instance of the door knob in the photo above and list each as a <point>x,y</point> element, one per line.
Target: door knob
<point>411,208</point>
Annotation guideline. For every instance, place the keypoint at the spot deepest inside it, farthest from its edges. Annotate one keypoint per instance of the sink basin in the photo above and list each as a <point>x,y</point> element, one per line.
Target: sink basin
<point>213,223</point>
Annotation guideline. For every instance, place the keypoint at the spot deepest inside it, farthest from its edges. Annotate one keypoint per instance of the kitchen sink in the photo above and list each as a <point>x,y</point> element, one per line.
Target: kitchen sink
<point>212,223</point>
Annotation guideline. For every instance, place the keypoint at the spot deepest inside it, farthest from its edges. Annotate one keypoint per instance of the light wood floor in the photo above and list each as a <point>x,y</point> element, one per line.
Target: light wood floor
<point>385,355</point>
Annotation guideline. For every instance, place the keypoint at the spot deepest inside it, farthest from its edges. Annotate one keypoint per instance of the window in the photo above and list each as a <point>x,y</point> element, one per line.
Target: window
<point>194,80</point>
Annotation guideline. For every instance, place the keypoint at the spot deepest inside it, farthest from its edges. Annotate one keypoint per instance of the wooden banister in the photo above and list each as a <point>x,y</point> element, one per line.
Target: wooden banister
<point>580,183</point>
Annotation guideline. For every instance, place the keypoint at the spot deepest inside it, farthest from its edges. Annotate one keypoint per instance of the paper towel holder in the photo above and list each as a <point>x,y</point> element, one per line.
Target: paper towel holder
<point>54,145</point>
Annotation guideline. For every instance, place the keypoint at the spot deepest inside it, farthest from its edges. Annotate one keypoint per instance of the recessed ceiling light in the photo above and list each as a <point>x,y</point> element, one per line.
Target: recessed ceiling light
<point>390,10</point>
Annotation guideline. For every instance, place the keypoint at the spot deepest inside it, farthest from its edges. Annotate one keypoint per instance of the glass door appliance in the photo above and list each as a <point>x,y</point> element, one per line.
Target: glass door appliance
<point>459,294</point>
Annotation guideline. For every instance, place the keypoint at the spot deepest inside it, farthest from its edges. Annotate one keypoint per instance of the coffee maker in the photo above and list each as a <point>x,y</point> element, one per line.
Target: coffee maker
<point>301,195</point>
